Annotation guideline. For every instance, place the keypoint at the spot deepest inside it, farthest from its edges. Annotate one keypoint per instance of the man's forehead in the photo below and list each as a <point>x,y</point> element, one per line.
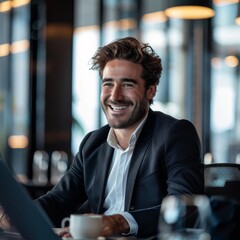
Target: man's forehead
<point>123,79</point>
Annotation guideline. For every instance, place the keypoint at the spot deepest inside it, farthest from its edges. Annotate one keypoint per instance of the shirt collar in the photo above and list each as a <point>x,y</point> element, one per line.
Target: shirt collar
<point>112,139</point>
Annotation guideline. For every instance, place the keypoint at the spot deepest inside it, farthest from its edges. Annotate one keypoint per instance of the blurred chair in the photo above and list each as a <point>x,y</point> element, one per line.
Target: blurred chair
<point>222,185</point>
<point>222,179</point>
<point>225,218</point>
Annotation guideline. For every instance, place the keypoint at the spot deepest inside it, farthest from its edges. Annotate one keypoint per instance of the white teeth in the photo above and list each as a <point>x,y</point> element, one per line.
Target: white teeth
<point>118,108</point>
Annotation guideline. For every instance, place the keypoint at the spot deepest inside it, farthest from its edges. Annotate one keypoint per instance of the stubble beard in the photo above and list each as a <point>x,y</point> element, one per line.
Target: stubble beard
<point>137,115</point>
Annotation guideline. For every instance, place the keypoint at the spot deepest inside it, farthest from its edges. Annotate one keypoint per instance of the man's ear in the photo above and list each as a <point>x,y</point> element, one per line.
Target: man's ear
<point>151,92</point>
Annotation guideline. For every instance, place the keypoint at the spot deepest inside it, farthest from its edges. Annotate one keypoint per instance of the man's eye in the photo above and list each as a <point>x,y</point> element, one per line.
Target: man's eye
<point>128,85</point>
<point>107,84</point>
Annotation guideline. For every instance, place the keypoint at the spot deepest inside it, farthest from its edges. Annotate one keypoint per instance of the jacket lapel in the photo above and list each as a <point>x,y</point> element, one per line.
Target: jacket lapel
<point>138,156</point>
<point>102,169</point>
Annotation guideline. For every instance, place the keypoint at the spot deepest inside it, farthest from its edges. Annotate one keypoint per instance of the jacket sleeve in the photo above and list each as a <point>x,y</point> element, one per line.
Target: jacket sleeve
<point>68,195</point>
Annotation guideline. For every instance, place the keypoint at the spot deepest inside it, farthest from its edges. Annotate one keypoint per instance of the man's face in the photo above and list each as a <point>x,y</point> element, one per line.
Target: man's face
<point>124,98</point>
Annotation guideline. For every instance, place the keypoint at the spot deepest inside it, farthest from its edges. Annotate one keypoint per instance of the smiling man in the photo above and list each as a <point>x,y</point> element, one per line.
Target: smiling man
<point>125,101</point>
<point>124,169</point>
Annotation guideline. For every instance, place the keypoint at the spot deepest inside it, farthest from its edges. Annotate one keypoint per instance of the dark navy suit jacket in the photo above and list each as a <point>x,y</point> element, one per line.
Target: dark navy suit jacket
<point>166,160</point>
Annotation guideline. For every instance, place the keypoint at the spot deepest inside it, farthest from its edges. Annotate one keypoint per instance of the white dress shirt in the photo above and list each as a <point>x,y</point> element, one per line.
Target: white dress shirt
<point>116,184</point>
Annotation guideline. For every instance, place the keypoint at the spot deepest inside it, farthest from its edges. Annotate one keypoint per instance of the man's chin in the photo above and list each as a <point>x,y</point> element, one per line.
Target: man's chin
<point>118,125</point>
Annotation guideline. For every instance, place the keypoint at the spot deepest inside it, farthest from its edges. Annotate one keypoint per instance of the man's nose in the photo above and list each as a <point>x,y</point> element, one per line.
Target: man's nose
<point>117,93</point>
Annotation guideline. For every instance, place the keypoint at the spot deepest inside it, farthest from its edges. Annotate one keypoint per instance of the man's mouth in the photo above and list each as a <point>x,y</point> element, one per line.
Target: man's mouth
<point>118,108</point>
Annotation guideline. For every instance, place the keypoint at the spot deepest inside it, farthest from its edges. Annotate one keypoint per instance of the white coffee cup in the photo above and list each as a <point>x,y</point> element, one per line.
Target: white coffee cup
<point>83,226</point>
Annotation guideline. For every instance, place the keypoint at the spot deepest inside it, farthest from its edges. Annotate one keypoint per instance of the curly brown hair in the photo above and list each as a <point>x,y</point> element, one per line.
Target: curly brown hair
<point>130,49</point>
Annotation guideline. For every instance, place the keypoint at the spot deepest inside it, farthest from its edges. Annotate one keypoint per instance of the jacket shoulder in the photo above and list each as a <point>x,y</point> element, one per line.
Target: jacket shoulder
<point>168,119</point>
<point>164,122</point>
<point>94,139</point>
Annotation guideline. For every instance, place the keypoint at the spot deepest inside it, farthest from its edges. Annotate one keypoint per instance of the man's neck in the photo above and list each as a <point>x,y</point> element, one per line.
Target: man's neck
<point>123,136</point>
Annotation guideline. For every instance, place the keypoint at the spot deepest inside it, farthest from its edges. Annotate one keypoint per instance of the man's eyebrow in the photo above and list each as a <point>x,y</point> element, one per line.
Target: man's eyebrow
<point>122,80</point>
<point>129,80</point>
<point>107,79</point>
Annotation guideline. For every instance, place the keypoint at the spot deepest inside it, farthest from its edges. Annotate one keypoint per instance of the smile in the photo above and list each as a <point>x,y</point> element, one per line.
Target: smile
<point>118,108</point>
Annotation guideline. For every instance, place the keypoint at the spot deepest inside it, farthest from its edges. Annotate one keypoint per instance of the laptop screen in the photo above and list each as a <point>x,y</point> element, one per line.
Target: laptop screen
<point>29,219</point>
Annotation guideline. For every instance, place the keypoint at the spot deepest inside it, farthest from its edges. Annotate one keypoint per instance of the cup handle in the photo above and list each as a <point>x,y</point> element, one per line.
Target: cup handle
<point>64,221</point>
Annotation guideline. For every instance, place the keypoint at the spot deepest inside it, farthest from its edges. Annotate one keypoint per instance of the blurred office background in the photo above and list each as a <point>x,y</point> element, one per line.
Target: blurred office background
<point>49,99</point>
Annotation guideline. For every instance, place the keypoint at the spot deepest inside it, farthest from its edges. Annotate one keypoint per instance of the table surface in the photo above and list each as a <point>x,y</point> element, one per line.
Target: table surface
<point>15,235</point>
<point>57,230</point>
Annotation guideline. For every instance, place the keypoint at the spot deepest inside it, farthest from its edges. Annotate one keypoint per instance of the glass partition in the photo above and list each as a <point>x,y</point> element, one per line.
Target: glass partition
<point>14,93</point>
<point>86,39</point>
<point>225,85</point>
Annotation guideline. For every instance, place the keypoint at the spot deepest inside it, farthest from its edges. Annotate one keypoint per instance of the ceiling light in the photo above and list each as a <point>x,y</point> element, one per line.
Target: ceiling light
<point>188,9</point>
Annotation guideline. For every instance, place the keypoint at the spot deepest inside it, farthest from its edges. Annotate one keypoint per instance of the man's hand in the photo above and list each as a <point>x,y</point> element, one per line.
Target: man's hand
<point>5,223</point>
<point>64,233</point>
<point>114,225</point>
